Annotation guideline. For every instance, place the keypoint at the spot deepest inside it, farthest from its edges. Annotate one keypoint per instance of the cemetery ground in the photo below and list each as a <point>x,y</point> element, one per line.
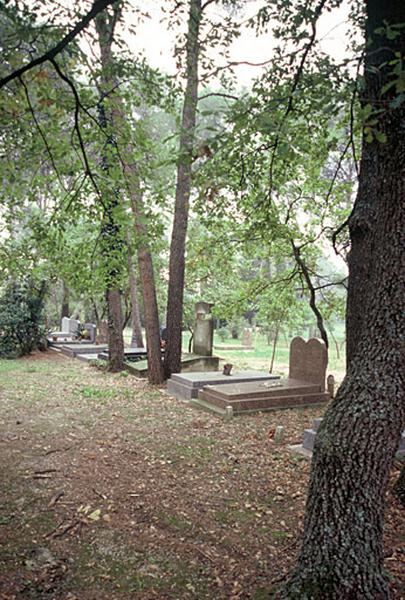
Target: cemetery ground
<point>111,489</point>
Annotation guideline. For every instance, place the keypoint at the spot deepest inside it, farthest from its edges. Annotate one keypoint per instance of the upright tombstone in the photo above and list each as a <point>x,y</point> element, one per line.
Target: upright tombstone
<point>308,361</point>
<point>70,326</point>
<point>247,338</point>
<point>91,330</point>
<point>204,329</point>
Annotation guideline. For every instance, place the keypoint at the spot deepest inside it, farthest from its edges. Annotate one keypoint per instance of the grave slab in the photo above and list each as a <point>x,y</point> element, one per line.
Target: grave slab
<point>73,350</point>
<point>186,385</point>
<point>263,396</point>
<point>130,354</point>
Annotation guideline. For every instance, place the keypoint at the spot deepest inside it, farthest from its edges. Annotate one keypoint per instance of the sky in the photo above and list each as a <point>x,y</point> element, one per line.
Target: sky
<point>157,41</point>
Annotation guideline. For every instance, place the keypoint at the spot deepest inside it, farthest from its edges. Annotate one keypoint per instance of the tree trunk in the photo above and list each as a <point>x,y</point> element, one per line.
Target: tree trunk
<point>137,337</point>
<point>342,550</point>
<point>111,239</point>
<point>174,315</point>
<point>275,340</point>
<point>65,312</point>
<point>152,331</point>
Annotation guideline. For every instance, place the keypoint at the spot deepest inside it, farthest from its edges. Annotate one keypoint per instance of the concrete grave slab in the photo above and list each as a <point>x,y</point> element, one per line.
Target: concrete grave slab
<point>262,396</point>
<point>186,385</point>
<point>130,354</point>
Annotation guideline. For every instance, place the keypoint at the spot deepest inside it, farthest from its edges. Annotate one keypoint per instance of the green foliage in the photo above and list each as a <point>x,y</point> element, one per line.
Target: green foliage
<point>21,318</point>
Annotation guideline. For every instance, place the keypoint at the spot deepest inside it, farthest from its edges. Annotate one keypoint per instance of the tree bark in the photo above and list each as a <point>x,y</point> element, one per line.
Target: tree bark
<point>137,337</point>
<point>152,331</point>
<point>342,550</point>
<point>174,314</point>
<point>111,239</point>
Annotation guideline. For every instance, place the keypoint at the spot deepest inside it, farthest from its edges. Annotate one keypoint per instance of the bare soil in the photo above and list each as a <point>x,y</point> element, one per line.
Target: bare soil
<point>112,489</point>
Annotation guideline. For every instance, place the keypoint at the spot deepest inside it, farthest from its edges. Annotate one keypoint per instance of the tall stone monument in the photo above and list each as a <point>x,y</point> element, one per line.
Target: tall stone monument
<point>204,329</point>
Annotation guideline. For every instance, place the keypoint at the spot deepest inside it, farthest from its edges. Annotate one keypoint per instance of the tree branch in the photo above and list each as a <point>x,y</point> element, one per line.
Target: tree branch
<point>97,7</point>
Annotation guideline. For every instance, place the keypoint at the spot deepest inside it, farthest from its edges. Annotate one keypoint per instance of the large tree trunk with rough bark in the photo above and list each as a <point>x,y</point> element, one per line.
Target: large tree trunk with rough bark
<point>111,238</point>
<point>342,551</point>
<point>174,317</point>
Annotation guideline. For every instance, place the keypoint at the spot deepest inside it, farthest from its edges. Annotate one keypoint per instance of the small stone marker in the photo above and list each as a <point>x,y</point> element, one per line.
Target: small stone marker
<point>279,434</point>
<point>228,416</point>
<point>227,369</point>
<point>330,383</point>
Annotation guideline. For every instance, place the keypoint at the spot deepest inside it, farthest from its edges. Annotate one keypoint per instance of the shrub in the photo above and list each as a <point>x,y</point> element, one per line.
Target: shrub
<point>21,318</point>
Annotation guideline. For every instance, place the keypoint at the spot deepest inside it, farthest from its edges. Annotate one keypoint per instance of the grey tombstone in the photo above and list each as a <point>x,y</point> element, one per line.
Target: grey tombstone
<point>91,328</point>
<point>64,327</point>
<point>308,361</point>
<point>247,338</point>
<point>204,329</point>
<point>70,325</point>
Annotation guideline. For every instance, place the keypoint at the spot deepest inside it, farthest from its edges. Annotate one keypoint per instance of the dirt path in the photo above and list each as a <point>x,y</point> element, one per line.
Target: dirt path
<point>112,490</point>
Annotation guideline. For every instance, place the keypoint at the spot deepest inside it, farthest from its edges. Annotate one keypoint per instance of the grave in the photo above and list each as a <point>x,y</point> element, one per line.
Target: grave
<point>247,338</point>
<point>130,354</point>
<point>189,363</point>
<point>203,330</point>
<point>305,385</point>
<point>307,445</point>
<point>73,350</point>
<point>187,385</point>
<point>70,333</point>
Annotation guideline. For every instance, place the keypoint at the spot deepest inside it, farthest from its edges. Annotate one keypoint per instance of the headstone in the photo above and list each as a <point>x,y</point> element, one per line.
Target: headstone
<point>204,329</point>
<point>308,361</point>
<point>91,329</point>
<point>247,338</point>
<point>228,413</point>
<point>69,325</point>
<point>279,434</point>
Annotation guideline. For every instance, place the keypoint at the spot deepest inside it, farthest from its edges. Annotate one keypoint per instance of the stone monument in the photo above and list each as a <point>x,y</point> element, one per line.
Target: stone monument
<point>308,361</point>
<point>247,338</point>
<point>204,329</point>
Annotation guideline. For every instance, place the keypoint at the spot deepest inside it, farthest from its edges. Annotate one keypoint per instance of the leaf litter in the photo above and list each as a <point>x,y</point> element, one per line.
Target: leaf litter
<point>123,492</point>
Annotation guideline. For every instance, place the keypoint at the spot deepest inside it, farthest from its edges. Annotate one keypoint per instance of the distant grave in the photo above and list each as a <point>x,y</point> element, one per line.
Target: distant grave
<point>305,385</point>
<point>247,338</point>
<point>203,330</point>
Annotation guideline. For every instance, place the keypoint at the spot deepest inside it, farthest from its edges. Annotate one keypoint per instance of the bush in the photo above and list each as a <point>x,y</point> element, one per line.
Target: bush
<point>21,319</point>
<point>223,334</point>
